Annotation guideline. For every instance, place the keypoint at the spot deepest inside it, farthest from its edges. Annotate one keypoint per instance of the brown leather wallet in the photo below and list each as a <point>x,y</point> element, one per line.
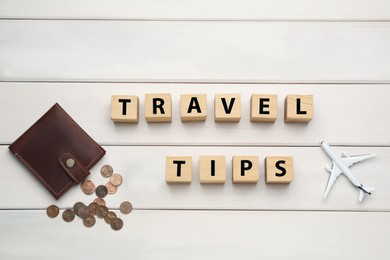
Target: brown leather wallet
<point>57,151</point>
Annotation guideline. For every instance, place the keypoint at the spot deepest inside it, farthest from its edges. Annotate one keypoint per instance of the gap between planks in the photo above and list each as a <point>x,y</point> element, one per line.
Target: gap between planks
<point>199,20</point>
<point>214,210</point>
<point>202,82</point>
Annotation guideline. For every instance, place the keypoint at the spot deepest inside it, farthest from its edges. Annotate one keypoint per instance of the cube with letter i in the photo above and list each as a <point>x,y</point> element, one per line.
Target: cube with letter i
<point>212,169</point>
<point>279,169</point>
<point>178,169</point>
<point>124,109</point>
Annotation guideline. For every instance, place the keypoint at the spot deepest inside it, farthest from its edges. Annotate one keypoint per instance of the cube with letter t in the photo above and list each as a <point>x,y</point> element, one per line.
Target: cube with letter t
<point>124,109</point>
<point>178,169</point>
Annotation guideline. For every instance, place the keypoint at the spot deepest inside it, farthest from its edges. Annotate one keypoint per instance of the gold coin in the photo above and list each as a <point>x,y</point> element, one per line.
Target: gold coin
<point>101,211</point>
<point>89,221</point>
<point>116,179</point>
<point>111,188</point>
<point>110,216</point>
<point>100,201</point>
<point>83,212</point>
<point>106,171</point>
<point>116,224</point>
<point>68,215</point>
<point>92,208</point>
<point>88,187</point>
<point>101,191</point>
<point>52,211</point>
<point>125,207</point>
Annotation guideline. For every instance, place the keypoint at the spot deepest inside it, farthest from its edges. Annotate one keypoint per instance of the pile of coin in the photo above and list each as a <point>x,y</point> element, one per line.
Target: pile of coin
<point>98,206</point>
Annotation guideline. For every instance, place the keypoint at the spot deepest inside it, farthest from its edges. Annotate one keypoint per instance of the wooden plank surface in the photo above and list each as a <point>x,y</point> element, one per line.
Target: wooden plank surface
<point>143,170</point>
<point>343,114</point>
<point>199,235</point>
<point>185,51</point>
<point>79,53</point>
<point>197,9</point>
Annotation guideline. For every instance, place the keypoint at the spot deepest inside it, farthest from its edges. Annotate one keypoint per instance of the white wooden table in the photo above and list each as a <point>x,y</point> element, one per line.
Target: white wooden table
<point>79,53</point>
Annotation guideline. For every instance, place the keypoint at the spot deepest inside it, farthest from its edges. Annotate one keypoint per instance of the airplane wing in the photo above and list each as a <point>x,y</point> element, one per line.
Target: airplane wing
<point>351,160</point>
<point>334,173</point>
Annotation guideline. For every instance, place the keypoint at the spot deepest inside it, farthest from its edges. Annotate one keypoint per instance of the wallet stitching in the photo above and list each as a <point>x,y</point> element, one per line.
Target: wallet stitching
<point>85,134</point>
<point>40,177</point>
<point>68,171</point>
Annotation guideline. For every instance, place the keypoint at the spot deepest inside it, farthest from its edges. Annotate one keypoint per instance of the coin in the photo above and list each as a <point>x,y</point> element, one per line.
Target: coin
<point>106,171</point>
<point>68,215</point>
<point>52,211</point>
<point>100,201</point>
<point>92,208</point>
<point>111,188</point>
<point>88,187</point>
<point>125,207</point>
<point>110,216</point>
<point>116,179</point>
<point>83,212</point>
<point>116,224</point>
<point>77,205</point>
<point>101,211</point>
<point>89,221</point>
<point>101,191</point>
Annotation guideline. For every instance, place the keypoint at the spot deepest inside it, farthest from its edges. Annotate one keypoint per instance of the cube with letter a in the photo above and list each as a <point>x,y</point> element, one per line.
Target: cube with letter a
<point>298,108</point>
<point>178,169</point>
<point>245,169</point>
<point>279,169</point>
<point>124,109</point>
<point>193,107</point>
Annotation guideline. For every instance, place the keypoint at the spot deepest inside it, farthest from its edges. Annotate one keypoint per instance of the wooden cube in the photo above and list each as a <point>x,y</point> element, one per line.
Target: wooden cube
<point>245,169</point>
<point>298,108</point>
<point>264,108</point>
<point>158,108</point>
<point>193,107</point>
<point>279,169</point>
<point>124,109</point>
<point>178,169</point>
<point>227,107</point>
<point>212,169</point>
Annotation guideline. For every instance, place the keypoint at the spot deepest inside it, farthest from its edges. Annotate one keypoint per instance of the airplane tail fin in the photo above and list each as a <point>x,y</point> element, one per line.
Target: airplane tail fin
<point>364,191</point>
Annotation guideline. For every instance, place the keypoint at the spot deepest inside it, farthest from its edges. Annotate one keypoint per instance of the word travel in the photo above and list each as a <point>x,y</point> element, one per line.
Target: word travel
<point>245,169</point>
<point>227,108</point>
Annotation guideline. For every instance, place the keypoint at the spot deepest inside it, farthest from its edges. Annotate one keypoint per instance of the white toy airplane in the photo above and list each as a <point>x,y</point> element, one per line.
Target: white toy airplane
<point>341,166</point>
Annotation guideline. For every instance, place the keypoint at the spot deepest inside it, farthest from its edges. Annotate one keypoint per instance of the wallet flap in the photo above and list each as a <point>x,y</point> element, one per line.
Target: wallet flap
<point>73,167</point>
<point>48,144</point>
